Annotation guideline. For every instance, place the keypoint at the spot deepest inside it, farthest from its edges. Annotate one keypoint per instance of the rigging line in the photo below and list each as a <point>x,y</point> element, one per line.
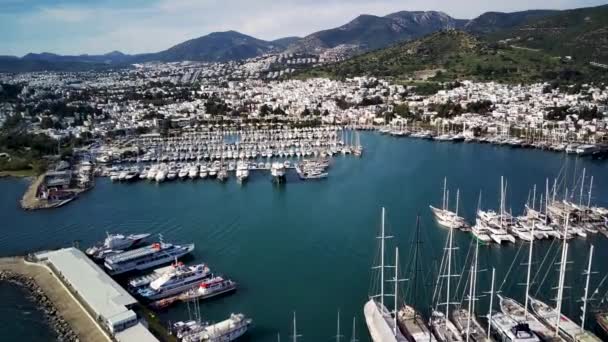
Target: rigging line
<point>435,291</point>
<point>540,267</point>
<point>464,270</point>
<point>596,291</point>
<point>546,274</point>
<point>510,267</point>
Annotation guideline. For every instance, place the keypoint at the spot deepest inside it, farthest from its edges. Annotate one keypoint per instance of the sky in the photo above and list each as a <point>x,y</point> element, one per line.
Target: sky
<point>138,26</point>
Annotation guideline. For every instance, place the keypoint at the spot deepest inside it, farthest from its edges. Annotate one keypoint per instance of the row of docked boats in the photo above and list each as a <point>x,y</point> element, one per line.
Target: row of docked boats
<point>541,219</point>
<point>165,286</point>
<point>595,150</point>
<point>209,146</point>
<point>532,321</point>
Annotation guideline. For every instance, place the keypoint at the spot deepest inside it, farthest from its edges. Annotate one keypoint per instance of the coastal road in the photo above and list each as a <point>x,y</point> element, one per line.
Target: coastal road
<point>67,306</point>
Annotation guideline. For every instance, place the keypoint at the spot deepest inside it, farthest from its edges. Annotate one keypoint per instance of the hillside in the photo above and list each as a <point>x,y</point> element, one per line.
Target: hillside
<point>580,33</point>
<point>214,47</point>
<point>453,54</point>
<point>490,22</point>
<point>370,32</point>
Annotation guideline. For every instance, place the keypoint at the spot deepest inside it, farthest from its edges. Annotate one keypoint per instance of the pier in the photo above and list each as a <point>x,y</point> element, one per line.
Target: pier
<point>96,308</point>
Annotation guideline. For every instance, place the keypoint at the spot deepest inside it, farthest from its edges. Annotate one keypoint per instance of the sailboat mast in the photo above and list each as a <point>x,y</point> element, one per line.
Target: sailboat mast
<point>295,331</point>
<point>562,276</point>
<point>449,275</point>
<point>382,261</point>
<point>338,336</point>
<point>445,182</point>
<point>546,199</point>
<point>580,197</point>
<point>396,289</point>
<point>534,198</point>
<point>529,271</point>
<point>589,198</point>
<point>491,302</point>
<point>354,336</point>
<point>457,199</point>
<point>470,304</point>
<point>502,198</point>
<point>586,297</point>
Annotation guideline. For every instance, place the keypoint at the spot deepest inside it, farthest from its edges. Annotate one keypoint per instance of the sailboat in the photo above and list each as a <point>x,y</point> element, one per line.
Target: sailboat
<point>358,149</point>
<point>519,313</point>
<point>380,323</point>
<point>444,216</point>
<point>410,321</point>
<point>442,327</point>
<point>465,319</point>
<point>553,317</point>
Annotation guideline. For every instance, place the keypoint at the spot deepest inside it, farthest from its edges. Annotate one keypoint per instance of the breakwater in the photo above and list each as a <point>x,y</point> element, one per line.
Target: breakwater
<point>61,328</point>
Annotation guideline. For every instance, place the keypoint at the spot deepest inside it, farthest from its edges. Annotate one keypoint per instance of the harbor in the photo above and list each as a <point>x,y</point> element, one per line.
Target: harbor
<point>314,237</point>
<point>220,155</point>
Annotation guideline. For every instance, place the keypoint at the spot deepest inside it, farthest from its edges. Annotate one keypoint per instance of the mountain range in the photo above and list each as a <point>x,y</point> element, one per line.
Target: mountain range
<point>580,33</point>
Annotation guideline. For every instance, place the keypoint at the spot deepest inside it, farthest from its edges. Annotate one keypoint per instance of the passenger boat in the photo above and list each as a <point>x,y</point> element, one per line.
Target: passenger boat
<point>176,280</point>
<point>145,257</point>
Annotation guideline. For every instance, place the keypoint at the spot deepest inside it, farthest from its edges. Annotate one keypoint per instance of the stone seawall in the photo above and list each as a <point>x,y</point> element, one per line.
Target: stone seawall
<point>57,323</point>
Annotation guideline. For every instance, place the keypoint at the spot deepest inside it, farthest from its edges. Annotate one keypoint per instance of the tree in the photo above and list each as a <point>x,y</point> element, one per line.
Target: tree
<point>305,112</point>
<point>264,110</point>
<point>403,110</point>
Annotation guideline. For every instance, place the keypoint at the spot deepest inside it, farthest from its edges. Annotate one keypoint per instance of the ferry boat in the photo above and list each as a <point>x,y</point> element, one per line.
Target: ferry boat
<point>114,244</point>
<point>145,257</point>
<point>176,280</point>
<point>227,330</point>
<point>210,288</point>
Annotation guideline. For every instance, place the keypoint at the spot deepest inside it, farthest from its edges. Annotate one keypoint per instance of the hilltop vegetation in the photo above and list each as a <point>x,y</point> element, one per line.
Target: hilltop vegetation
<point>452,55</point>
<point>581,33</point>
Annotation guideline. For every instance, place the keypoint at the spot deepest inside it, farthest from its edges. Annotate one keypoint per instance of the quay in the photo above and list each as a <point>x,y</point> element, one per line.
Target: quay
<point>96,307</point>
<point>58,187</point>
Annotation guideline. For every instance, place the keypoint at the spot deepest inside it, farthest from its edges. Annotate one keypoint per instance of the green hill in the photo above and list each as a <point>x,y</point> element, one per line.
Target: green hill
<point>451,55</point>
<point>581,33</point>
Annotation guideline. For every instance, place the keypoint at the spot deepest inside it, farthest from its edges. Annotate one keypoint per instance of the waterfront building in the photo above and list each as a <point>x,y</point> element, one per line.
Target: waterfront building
<point>103,298</point>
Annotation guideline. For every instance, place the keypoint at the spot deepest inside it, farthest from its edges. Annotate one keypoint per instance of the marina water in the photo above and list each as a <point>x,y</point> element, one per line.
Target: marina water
<point>309,246</point>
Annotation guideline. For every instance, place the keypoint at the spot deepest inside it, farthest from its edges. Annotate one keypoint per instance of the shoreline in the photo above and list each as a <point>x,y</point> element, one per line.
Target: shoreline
<point>53,318</point>
<point>18,174</point>
<point>65,315</point>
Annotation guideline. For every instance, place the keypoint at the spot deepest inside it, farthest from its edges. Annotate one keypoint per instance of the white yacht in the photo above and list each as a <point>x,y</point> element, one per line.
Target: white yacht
<point>203,172</point>
<point>161,175</point>
<point>183,172</point>
<point>277,170</point>
<point>146,257</point>
<point>193,171</point>
<point>178,279</point>
<point>242,171</point>
<point>114,244</point>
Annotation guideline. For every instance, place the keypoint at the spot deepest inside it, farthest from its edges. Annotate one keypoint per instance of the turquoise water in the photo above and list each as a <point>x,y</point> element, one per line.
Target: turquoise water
<point>309,247</point>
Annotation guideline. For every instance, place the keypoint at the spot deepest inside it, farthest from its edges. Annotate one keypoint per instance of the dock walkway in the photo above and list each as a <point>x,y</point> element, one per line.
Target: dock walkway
<point>67,306</point>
